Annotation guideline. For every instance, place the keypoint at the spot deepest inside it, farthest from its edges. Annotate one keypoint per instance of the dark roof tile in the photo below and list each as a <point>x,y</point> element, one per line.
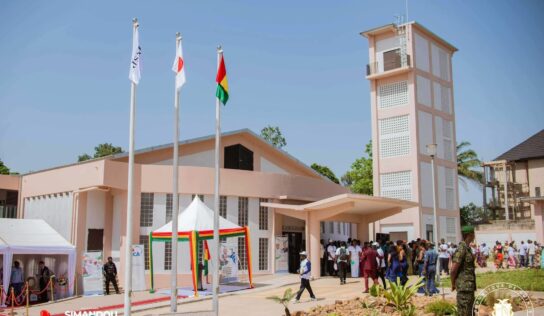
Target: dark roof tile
<point>532,147</point>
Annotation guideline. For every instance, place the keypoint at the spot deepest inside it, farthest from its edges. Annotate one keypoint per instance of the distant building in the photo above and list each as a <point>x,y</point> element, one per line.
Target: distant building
<point>411,93</point>
<point>9,195</point>
<point>513,195</point>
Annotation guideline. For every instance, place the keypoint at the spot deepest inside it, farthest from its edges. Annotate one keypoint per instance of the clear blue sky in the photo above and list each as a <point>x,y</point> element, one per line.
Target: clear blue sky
<point>297,65</point>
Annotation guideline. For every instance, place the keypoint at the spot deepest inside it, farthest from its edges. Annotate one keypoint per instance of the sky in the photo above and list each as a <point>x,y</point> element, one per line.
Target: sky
<point>299,65</point>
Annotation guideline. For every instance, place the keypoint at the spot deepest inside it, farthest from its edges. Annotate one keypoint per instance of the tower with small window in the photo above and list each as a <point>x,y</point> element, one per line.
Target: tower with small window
<point>411,91</point>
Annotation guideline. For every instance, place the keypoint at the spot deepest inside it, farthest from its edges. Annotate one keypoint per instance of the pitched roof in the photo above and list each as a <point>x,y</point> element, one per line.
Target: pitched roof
<point>532,147</point>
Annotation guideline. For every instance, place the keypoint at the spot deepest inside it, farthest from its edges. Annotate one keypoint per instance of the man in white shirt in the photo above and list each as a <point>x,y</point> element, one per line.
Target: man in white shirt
<point>381,263</point>
<point>331,253</point>
<point>531,250</point>
<point>444,257</point>
<point>342,259</point>
<point>305,269</point>
<point>523,254</point>
<point>354,250</point>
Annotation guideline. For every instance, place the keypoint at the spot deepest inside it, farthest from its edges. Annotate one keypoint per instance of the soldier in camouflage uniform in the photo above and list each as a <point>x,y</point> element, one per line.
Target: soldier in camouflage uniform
<point>463,275</point>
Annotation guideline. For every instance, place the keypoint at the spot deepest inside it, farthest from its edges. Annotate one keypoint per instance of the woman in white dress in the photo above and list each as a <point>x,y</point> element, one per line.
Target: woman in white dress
<point>354,251</point>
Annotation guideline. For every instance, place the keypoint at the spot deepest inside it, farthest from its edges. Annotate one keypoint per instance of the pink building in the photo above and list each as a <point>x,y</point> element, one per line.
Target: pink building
<point>411,92</point>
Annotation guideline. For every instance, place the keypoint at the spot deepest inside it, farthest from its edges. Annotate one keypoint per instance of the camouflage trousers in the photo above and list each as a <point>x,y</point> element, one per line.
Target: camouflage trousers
<point>465,303</point>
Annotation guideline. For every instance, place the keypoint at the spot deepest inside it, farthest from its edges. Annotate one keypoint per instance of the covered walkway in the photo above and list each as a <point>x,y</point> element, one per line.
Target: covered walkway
<point>362,210</point>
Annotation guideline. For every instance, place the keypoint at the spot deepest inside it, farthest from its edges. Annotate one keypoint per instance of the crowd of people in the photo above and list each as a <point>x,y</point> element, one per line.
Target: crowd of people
<point>510,255</point>
<point>17,280</point>
<point>388,260</point>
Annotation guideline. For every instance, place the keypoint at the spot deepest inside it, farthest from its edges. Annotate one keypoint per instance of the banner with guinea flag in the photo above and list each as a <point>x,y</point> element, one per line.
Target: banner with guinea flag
<point>222,92</point>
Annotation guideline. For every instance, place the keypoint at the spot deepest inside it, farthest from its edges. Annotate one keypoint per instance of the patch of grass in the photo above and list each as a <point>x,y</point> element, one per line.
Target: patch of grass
<point>441,308</point>
<point>527,279</point>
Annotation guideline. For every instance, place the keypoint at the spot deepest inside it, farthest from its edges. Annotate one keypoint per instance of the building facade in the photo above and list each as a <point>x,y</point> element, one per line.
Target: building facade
<point>411,92</point>
<point>513,196</point>
<point>86,202</point>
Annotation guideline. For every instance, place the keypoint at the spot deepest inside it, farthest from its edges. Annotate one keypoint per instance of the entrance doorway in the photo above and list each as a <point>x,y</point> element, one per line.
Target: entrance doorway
<point>295,247</point>
<point>95,240</point>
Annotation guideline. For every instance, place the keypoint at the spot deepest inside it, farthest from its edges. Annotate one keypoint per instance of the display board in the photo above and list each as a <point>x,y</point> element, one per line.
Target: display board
<point>93,282</point>
<point>282,254</point>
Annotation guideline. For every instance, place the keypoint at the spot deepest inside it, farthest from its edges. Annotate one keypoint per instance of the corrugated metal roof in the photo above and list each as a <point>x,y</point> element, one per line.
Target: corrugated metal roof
<point>532,147</point>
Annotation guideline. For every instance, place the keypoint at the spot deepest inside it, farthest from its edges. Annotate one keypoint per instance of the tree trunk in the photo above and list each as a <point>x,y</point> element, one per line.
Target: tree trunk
<point>287,313</point>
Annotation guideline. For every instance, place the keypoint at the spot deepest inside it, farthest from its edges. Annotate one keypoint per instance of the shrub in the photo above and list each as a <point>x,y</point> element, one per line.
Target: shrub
<point>284,300</point>
<point>400,295</point>
<point>441,308</point>
<point>376,290</point>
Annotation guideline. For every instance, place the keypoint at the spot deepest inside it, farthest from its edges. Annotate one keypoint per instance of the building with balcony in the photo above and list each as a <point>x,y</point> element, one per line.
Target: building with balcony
<point>411,93</point>
<point>512,197</point>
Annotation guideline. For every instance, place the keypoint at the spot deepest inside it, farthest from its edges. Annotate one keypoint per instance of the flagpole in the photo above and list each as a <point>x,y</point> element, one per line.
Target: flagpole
<point>175,200</point>
<point>130,188</point>
<point>215,261</point>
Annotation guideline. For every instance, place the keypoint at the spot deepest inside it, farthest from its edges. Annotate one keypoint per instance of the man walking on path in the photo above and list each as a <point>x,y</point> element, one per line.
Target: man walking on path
<point>305,269</point>
<point>370,265</point>
<point>342,258</point>
<point>531,251</point>
<point>380,260</point>
<point>110,273</point>
<point>523,255</point>
<point>463,274</point>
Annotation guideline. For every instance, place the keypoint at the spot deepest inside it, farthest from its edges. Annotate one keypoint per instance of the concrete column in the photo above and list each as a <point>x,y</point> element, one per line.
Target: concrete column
<point>314,244</point>
<point>539,220</point>
<point>108,224</point>
<point>80,235</point>
<point>362,230</point>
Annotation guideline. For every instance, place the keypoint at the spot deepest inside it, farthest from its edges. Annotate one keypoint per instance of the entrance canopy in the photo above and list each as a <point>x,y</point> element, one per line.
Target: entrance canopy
<point>346,204</point>
<point>33,237</point>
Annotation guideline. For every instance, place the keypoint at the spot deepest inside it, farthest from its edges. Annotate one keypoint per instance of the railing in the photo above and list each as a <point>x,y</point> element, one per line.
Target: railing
<point>389,64</point>
<point>8,211</point>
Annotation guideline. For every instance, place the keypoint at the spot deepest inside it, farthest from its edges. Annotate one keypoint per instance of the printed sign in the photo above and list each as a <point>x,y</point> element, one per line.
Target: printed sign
<point>138,268</point>
<point>282,254</point>
<point>228,261</point>
<point>93,283</point>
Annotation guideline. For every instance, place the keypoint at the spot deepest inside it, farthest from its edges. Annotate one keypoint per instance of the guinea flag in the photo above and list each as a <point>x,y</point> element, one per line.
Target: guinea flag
<point>222,92</point>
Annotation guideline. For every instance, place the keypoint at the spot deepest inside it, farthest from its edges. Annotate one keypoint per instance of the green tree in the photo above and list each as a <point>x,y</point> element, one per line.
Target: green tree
<point>471,214</point>
<point>273,136</point>
<point>325,171</point>
<point>467,160</point>
<point>359,177</point>
<point>3,168</point>
<point>83,157</point>
<point>101,150</point>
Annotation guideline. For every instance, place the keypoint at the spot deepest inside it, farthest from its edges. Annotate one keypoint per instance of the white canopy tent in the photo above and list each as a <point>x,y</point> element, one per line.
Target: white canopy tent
<point>33,237</point>
<point>195,223</point>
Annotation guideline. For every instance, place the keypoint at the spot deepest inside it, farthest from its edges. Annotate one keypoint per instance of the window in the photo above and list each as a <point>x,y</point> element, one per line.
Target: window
<point>169,202</point>
<point>331,227</point>
<point>322,227</point>
<point>429,232</point>
<point>263,215</point>
<point>391,59</point>
<point>450,189</point>
<point>168,255</point>
<point>223,206</point>
<point>394,136</point>
<point>144,240</point>
<point>337,228</point>
<point>242,211</point>
<point>450,225</point>
<point>393,94</point>
<point>263,254</point>
<point>238,157</point>
<point>200,196</point>
<point>242,257</point>
<point>146,210</point>
<point>396,185</point>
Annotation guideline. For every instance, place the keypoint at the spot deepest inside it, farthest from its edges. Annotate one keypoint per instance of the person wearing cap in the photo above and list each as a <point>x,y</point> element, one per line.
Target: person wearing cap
<point>463,274</point>
<point>305,269</point>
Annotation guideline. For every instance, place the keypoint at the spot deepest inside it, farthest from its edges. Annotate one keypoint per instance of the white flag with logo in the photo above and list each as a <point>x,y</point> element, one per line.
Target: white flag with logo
<point>179,67</point>
<point>134,74</point>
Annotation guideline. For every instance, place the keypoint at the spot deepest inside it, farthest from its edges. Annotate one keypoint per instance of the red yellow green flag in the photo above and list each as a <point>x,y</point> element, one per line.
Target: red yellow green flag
<point>222,92</point>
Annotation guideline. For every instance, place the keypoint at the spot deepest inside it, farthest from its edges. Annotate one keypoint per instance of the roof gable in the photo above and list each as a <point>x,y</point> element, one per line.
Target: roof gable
<point>532,147</point>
